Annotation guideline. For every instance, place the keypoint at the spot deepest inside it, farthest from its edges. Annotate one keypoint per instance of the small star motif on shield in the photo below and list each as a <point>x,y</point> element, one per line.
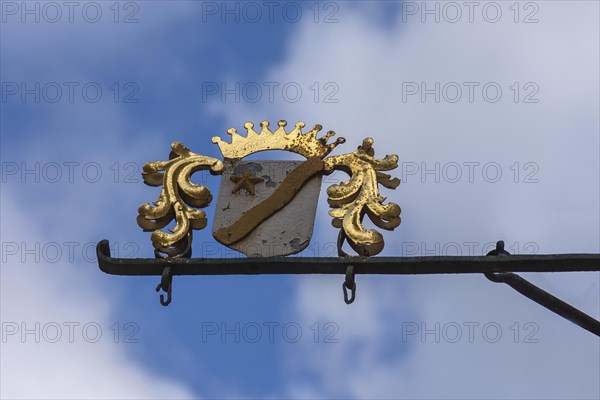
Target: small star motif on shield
<point>245,182</point>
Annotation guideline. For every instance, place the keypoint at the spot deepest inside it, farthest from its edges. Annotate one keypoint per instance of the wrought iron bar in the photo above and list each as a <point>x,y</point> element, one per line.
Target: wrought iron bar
<point>540,296</point>
<point>498,266</point>
<point>547,300</point>
<point>336,265</point>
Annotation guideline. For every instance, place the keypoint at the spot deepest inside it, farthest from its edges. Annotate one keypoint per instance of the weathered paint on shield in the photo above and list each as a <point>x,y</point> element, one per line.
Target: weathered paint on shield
<point>284,232</point>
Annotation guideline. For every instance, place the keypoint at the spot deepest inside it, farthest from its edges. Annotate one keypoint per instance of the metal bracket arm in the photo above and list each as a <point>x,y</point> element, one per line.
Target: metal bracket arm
<point>497,266</point>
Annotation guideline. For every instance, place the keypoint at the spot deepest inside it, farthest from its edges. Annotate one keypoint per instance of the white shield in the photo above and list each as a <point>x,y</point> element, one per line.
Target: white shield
<point>254,217</point>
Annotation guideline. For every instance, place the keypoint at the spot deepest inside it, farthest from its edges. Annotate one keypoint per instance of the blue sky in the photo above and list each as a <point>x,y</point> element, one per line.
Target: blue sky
<point>355,64</point>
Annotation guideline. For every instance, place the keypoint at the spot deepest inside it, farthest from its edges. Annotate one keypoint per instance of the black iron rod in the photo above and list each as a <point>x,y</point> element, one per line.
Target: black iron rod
<point>336,265</point>
<point>547,300</point>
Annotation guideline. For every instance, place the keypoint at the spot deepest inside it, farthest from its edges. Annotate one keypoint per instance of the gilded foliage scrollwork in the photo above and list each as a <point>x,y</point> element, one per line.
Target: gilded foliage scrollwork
<point>179,199</point>
<point>358,196</point>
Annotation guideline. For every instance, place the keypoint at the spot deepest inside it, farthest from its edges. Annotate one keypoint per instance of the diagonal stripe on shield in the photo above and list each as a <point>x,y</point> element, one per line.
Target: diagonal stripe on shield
<point>267,208</point>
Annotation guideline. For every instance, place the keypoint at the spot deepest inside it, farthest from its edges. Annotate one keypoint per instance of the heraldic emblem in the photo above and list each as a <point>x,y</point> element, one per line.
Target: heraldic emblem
<point>267,208</point>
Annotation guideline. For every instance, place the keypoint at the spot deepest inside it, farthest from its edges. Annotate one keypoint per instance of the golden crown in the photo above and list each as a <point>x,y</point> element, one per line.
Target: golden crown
<point>295,141</point>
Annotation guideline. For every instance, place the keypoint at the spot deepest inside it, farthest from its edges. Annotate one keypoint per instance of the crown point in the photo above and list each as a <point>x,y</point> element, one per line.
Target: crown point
<point>305,144</point>
<point>340,140</point>
<point>265,128</point>
<point>325,138</point>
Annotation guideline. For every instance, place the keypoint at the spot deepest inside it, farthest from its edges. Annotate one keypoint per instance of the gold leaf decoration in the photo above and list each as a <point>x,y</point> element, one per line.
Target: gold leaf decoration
<point>179,198</point>
<point>306,144</point>
<point>358,196</point>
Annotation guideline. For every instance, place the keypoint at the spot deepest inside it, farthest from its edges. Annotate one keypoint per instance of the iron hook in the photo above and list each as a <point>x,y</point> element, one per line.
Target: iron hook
<point>350,284</point>
<point>166,284</point>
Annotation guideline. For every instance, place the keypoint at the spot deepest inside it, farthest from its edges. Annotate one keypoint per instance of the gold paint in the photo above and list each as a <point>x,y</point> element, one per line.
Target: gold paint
<point>245,182</point>
<point>295,141</point>
<point>350,200</point>
<point>178,199</point>
<point>275,202</point>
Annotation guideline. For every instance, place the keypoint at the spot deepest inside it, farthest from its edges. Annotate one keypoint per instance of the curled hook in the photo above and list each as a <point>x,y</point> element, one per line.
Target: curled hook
<point>166,284</point>
<point>340,244</point>
<point>498,277</point>
<point>349,284</point>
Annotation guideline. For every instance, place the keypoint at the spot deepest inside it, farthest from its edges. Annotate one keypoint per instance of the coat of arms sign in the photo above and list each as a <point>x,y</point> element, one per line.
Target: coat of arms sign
<point>267,208</point>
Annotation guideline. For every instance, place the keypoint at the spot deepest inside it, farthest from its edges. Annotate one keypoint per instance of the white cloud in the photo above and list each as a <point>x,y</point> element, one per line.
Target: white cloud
<point>559,214</point>
<point>57,294</point>
<point>66,292</point>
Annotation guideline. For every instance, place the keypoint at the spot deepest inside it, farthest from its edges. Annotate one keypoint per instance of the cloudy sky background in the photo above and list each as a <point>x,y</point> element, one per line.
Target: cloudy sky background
<point>362,57</point>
